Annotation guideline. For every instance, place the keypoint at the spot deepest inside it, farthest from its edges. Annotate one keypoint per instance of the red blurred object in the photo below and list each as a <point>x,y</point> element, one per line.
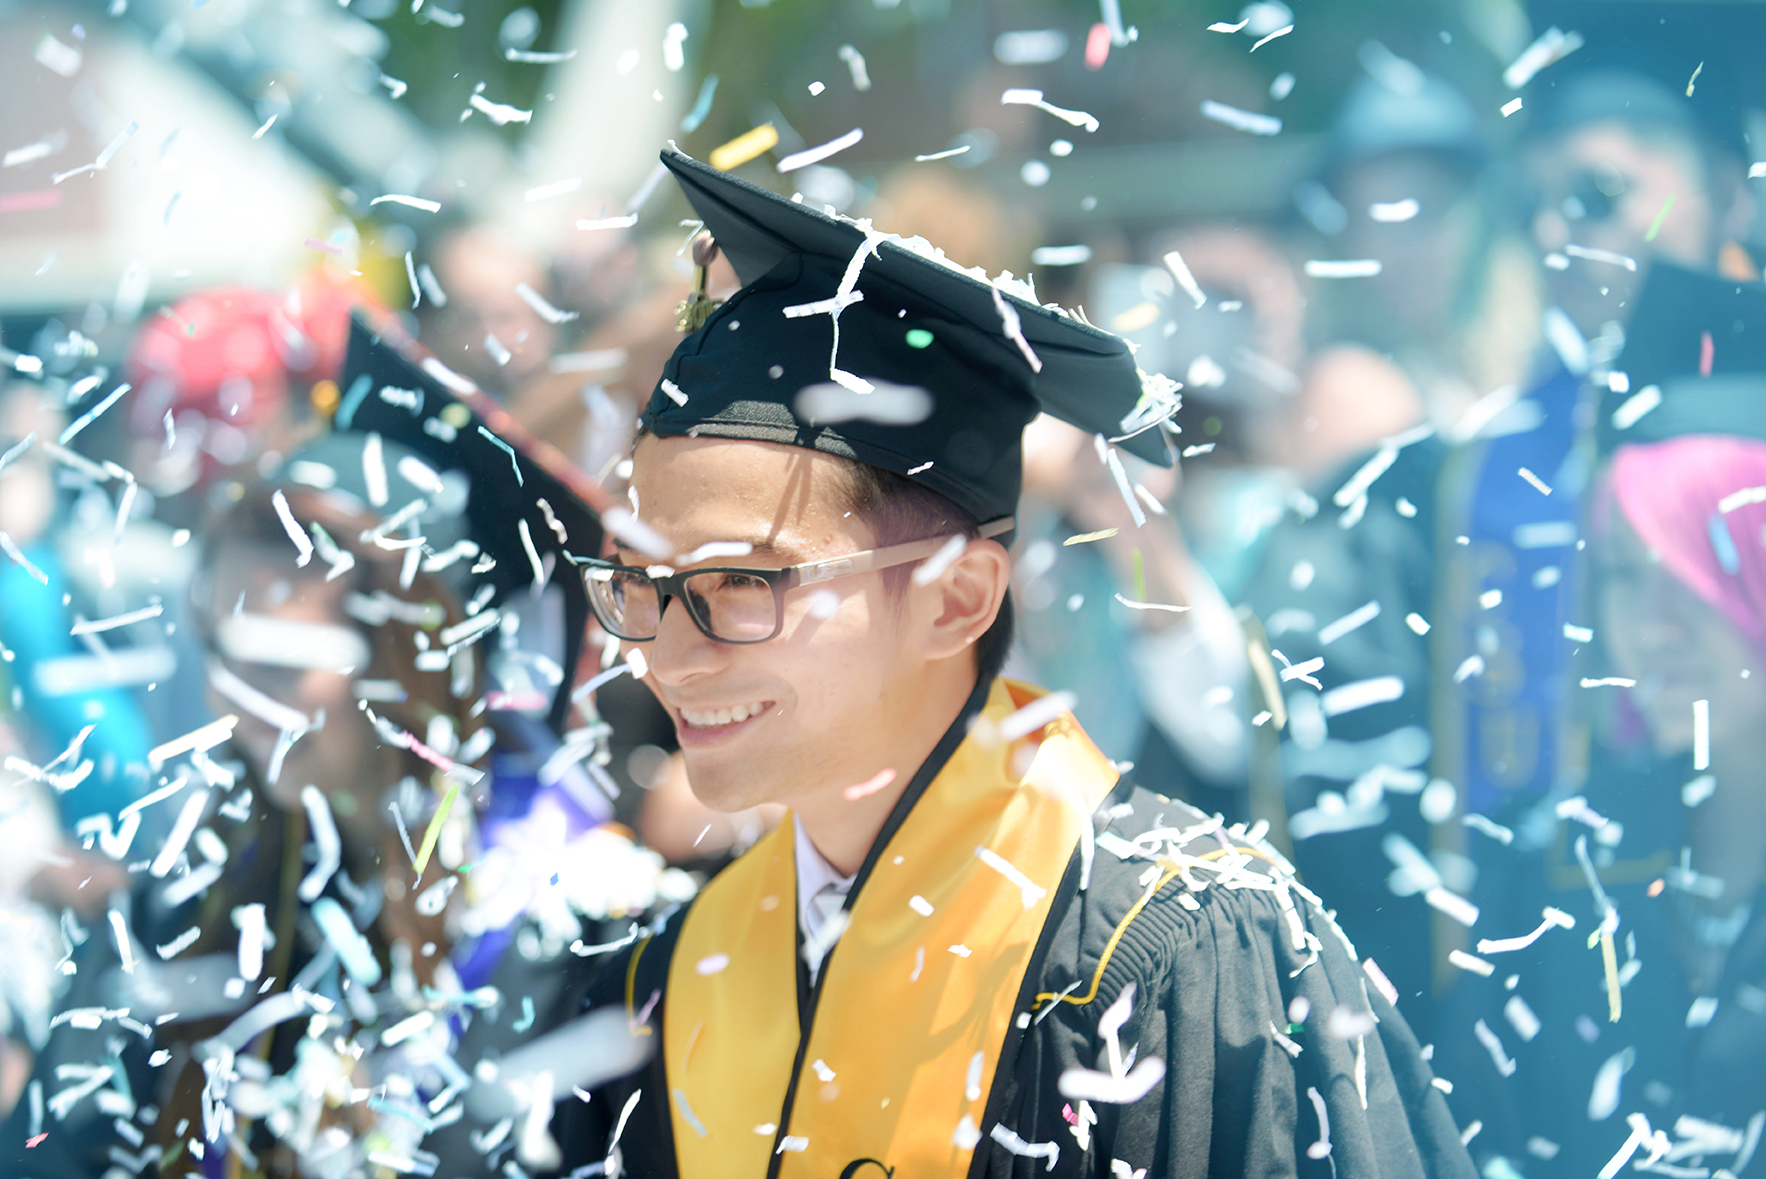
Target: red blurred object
<point>1097,46</point>
<point>221,353</point>
<point>231,354</point>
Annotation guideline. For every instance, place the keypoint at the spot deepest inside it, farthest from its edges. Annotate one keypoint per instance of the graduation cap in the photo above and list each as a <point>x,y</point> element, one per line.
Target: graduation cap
<point>527,508</point>
<point>860,344</point>
<point>1699,342</point>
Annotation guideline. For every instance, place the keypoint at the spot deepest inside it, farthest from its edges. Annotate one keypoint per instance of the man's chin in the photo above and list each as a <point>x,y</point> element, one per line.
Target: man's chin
<point>726,790</point>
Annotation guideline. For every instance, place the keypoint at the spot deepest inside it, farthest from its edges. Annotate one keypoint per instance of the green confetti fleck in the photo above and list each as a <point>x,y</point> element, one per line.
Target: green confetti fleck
<point>919,337</point>
<point>435,825</point>
<point>1655,226</point>
<point>1140,577</point>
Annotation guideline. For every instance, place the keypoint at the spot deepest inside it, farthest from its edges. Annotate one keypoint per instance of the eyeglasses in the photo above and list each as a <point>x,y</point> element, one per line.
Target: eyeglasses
<point>728,604</point>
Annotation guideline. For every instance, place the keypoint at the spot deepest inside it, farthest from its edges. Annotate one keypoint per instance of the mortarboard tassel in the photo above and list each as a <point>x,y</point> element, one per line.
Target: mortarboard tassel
<point>697,307</point>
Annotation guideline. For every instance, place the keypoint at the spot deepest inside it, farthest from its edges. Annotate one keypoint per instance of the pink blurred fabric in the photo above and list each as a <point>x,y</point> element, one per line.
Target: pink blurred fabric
<point>1670,493</point>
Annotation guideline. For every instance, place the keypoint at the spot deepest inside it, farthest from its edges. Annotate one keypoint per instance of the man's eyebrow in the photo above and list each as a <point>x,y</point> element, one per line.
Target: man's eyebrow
<point>757,547</point>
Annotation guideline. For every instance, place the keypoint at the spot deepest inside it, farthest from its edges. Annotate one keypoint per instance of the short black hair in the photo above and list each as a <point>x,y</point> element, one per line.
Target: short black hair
<point>899,510</point>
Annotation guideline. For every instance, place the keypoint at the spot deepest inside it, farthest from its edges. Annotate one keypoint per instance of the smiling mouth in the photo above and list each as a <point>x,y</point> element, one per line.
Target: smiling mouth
<point>721,718</point>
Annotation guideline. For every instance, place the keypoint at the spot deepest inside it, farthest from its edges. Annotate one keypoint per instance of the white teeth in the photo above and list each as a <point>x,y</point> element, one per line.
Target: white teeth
<point>722,716</point>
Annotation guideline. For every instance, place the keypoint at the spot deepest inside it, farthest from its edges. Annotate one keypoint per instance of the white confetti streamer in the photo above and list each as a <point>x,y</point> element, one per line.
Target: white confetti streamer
<point>1322,1147</point>
<point>99,625</point>
<point>1466,961</point>
<point>1343,268</point>
<point>296,533</point>
<point>1701,735</point>
<point>1493,1045</point>
<point>1030,892</point>
<point>1552,45</point>
<point>1036,714</point>
<point>199,740</point>
<point>182,829</point>
<point>251,941</point>
<point>1535,481</point>
<point>410,202</point>
<point>1632,409</point>
<point>1452,904</point>
<point>533,556</point>
<point>325,843</point>
<point>267,709</point>
<point>1522,1018</point>
<point>543,307</point>
<point>933,567</point>
<point>1361,694</point>
<point>1082,1084</point>
<point>1591,254</point>
<point>1181,272</point>
<point>1354,620</point>
<point>500,113</point>
<point>1238,120</point>
<point>1029,1150</point>
<point>855,63</point>
<point>1019,97</point>
<point>92,415</point>
<point>815,155</point>
<point>125,946</point>
<point>24,562</point>
<point>1013,327</point>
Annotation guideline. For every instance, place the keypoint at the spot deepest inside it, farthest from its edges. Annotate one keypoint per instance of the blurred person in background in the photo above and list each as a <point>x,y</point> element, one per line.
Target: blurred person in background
<point>483,326</point>
<point>1627,170</point>
<point>226,381</point>
<point>1129,622</point>
<point>1272,434</point>
<point>347,741</point>
<point>61,685</point>
<point>41,877</point>
<point>1169,691</point>
<point>1409,182</point>
<point>1642,994</point>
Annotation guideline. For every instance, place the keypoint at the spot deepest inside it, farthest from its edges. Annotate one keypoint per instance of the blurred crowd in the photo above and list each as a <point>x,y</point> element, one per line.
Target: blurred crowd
<point>1457,589</point>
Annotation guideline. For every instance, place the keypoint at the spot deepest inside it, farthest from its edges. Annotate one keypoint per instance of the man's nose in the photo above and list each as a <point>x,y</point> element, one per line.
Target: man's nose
<point>681,651</point>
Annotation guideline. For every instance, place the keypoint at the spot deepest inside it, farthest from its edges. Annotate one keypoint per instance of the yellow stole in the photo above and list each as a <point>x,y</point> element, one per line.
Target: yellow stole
<point>914,1009</point>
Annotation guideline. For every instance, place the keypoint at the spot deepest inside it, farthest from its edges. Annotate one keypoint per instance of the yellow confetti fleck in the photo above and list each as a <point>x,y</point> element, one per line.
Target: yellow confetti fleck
<point>1611,961</point>
<point>745,147</point>
<point>1088,537</point>
<point>435,825</point>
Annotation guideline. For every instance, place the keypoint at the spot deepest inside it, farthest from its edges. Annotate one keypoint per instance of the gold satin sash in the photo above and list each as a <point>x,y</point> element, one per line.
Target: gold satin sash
<point>914,1009</point>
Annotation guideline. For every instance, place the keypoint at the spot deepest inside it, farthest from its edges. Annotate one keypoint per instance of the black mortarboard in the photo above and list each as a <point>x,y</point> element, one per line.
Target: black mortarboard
<point>954,388</point>
<point>451,426</point>
<point>1700,340</point>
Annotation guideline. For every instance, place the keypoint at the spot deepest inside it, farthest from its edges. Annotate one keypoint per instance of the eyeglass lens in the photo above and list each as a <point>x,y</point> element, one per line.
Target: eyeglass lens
<point>734,607</point>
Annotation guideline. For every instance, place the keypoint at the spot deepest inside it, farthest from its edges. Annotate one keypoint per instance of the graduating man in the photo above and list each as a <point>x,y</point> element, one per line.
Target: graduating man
<point>973,948</point>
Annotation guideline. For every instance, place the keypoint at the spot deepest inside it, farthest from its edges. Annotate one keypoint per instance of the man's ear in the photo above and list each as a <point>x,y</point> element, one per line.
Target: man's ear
<point>962,602</point>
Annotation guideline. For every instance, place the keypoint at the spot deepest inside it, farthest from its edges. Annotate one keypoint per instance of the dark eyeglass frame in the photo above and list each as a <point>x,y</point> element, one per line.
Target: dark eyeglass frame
<point>674,585</point>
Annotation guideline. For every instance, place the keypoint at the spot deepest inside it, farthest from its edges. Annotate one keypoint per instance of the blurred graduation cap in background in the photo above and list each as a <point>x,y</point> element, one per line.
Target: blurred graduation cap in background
<point>860,344</point>
<point>527,509</point>
<point>1694,361</point>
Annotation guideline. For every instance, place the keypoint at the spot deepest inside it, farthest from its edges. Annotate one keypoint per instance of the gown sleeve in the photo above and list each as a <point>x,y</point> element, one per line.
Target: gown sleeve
<point>1214,989</point>
<point>585,1130</point>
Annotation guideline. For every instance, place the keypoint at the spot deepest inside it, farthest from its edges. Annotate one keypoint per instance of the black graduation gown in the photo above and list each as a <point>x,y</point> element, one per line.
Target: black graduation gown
<point>1685,1053</point>
<point>1215,980</point>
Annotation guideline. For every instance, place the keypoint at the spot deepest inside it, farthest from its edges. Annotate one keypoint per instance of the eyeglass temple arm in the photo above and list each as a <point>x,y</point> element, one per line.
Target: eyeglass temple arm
<point>893,555</point>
